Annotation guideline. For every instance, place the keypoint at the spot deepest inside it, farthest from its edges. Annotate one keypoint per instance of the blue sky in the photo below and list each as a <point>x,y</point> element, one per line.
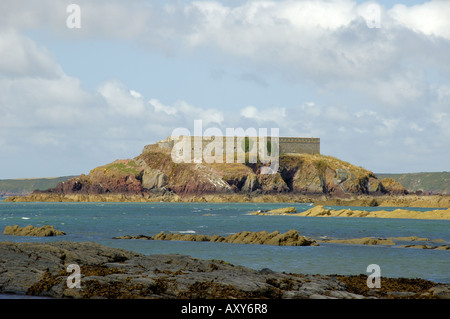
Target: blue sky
<point>74,99</point>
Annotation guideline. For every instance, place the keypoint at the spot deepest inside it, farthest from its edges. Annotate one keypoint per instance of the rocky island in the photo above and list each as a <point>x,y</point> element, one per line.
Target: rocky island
<point>301,177</point>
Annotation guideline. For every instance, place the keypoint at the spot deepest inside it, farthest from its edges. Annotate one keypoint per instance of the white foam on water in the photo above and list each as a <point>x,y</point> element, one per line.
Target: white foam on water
<point>186,231</point>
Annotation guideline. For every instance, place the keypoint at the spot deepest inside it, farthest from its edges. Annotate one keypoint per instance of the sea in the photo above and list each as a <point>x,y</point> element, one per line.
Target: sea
<point>100,222</point>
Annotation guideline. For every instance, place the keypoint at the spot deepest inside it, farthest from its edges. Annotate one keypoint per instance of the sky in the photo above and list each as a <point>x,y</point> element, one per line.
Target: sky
<point>80,89</point>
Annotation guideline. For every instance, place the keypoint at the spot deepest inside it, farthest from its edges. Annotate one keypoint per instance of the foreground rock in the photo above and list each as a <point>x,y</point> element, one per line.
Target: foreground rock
<point>290,238</point>
<point>41,270</point>
<point>43,231</point>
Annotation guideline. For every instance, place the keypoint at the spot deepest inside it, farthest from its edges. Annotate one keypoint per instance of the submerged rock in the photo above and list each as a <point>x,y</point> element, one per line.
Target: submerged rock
<point>441,247</point>
<point>285,210</point>
<point>362,241</point>
<point>278,211</point>
<point>43,231</point>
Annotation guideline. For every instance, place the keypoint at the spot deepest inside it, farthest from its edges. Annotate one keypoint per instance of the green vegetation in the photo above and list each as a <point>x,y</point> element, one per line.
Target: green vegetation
<point>25,186</point>
<point>248,145</point>
<point>321,166</point>
<point>322,162</point>
<point>128,168</point>
<point>436,182</point>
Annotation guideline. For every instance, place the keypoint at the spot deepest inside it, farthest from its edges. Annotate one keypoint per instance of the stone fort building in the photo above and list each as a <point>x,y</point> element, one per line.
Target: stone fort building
<point>287,145</point>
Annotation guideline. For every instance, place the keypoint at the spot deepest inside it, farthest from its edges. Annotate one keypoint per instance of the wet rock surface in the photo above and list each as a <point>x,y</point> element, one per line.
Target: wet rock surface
<point>43,231</point>
<point>361,241</point>
<point>321,211</point>
<point>289,238</point>
<point>41,270</point>
<point>292,238</point>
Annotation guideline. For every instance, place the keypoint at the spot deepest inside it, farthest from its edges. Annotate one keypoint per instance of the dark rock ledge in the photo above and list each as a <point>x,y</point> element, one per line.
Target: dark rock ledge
<point>41,270</point>
<point>289,238</point>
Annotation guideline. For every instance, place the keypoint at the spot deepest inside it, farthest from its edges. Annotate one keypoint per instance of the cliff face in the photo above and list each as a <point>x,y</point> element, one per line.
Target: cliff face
<point>154,172</point>
<point>121,176</point>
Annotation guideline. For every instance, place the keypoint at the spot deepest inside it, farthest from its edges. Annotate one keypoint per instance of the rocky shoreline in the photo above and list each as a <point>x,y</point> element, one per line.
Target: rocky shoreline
<point>320,211</point>
<point>39,269</point>
<point>292,238</point>
<point>425,201</point>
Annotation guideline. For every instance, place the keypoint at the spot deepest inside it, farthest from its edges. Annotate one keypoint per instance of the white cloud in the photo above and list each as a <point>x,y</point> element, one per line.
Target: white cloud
<point>160,107</point>
<point>20,56</point>
<point>326,41</point>
<point>276,114</point>
<point>337,114</point>
<point>122,101</point>
<point>212,116</point>
<point>400,90</point>
<point>374,86</point>
<point>430,18</point>
<point>33,100</point>
<point>183,112</point>
<point>47,117</point>
<point>363,113</point>
<point>135,94</point>
<point>416,127</point>
<point>311,109</point>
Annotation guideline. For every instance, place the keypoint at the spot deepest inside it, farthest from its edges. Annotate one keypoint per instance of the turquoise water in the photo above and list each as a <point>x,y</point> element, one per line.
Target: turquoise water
<point>99,222</point>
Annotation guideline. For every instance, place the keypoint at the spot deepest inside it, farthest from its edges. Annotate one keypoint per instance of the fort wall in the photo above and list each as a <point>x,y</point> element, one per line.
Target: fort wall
<point>287,145</point>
